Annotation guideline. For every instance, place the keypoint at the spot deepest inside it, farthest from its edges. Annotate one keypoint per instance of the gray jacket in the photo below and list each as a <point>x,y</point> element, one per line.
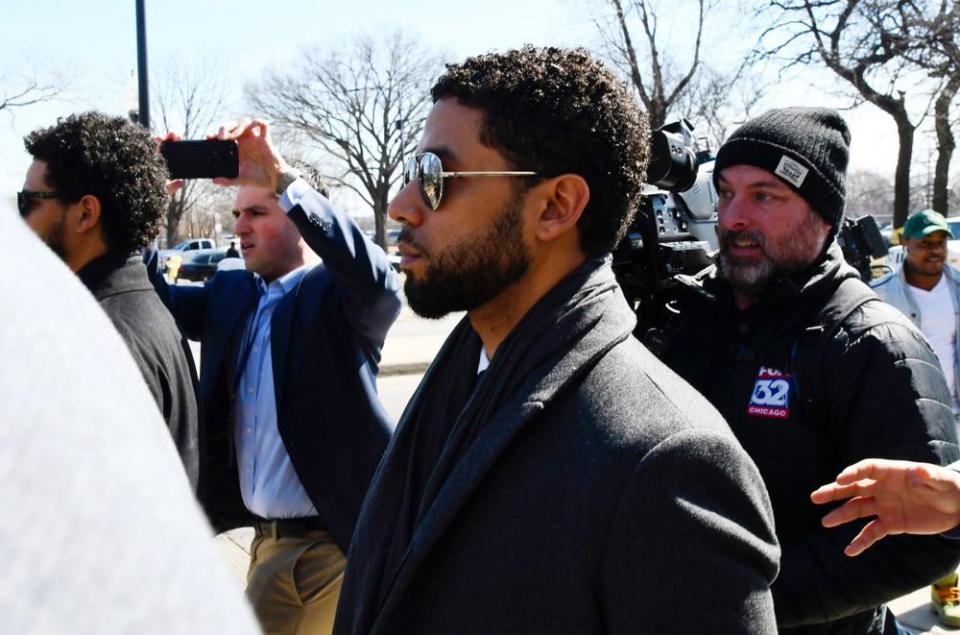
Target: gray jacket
<point>892,288</point>
<point>601,491</point>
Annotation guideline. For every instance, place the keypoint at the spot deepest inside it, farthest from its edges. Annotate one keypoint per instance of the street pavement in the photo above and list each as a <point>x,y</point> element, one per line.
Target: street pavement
<point>409,348</point>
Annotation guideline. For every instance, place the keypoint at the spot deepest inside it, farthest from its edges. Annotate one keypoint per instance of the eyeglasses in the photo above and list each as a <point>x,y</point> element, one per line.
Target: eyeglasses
<point>24,197</point>
<point>427,169</point>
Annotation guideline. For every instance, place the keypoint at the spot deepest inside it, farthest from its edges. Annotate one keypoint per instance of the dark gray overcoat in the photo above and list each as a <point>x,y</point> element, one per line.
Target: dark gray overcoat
<point>120,285</point>
<point>603,496</point>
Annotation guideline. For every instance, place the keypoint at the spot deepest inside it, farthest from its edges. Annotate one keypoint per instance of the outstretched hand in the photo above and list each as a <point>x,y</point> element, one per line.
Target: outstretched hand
<point>901,497</point>
<point>260,163</point>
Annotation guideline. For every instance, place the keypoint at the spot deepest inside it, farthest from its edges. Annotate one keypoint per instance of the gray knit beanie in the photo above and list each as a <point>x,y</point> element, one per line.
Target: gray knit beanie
<point>806,148</point>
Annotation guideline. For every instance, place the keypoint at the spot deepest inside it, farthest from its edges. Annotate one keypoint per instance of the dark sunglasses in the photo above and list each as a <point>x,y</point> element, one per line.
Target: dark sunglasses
<point>428,171</point>
<point>24,197</point>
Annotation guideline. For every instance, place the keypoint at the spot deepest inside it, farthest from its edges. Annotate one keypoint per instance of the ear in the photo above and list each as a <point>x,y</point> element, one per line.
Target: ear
<point>564,199</point>
<point>88,210</point>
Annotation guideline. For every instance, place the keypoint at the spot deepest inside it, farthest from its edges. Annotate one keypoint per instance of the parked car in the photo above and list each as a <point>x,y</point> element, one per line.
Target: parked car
<point>181,249</point>
<point>201,265</point>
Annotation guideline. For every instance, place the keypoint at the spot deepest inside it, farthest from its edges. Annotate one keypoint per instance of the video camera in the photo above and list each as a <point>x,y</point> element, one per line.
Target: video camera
<point>673,237</point>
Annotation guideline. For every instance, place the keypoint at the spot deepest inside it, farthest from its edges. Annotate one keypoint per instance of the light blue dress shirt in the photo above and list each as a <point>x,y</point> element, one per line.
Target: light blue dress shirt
<point>268,482</point>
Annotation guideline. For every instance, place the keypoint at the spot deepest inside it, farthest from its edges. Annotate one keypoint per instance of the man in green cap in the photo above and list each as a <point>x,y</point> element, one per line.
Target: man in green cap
<point>927,290</point>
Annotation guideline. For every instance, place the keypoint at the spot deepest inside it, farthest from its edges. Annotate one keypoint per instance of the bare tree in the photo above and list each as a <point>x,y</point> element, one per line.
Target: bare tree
<point>189,99</point>
<point>215,205</point>
<point>363,104</point>
<point>661,88</point>
<point>953,195</point>
<point>937,37</point>
<point>869,193</point>
<point>946,143</point>
<point>863,43</point>
<point>716,102</point>
<point>669,75</point>
<point>22,90</point>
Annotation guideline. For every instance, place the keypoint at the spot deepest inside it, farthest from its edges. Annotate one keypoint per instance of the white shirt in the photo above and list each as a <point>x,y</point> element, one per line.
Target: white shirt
<point>938,324</point>
<point>484,361</point>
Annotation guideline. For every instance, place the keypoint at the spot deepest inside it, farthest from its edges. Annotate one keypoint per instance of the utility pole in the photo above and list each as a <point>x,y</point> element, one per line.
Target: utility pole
<point>143,115</point>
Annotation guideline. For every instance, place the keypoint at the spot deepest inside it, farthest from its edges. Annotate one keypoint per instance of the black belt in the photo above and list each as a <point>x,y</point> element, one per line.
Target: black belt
<point>288,527</point>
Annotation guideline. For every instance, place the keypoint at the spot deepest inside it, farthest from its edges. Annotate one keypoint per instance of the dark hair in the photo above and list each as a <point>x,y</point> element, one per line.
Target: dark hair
<point>113,160</point>
<point>558,111</point>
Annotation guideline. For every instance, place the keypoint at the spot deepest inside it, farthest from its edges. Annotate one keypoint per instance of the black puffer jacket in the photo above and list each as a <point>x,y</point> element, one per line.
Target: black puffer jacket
<point>810,383</point>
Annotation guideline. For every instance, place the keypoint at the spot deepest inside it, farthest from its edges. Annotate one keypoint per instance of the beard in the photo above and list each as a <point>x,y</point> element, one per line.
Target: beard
<point>470,273</point>
<point>795,252</point>
<point>54,240</point>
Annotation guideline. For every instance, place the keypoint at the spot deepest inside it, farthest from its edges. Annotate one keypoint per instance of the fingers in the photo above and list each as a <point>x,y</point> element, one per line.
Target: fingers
<point>170,136</point>
<point>229,130</point>
<point>833,492</point>
<point>859,507</point>
<point>868,536</point>
<point>175,185</point>
<point>242,129</point>
<point>867,468</point>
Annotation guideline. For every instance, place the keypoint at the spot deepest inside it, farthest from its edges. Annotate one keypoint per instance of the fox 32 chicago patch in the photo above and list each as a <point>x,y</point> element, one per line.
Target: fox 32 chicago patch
<point>771,394</point>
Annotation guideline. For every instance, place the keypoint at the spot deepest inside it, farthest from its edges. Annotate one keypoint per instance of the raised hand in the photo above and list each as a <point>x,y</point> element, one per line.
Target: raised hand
<point>902,497</point>
<point>260,163</point>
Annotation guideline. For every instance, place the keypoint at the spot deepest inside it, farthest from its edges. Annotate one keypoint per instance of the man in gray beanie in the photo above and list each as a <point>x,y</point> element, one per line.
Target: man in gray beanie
<point>812,371</point>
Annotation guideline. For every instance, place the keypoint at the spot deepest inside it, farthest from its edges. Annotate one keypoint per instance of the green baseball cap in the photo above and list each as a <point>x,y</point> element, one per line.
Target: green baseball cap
<point>924,223</point>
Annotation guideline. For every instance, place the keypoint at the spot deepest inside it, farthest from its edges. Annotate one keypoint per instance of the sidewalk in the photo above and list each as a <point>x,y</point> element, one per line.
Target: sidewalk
<point>413,342</point>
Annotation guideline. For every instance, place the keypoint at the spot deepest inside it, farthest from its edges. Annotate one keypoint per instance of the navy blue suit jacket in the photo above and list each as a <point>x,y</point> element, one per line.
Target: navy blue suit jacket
<point>326,338</point>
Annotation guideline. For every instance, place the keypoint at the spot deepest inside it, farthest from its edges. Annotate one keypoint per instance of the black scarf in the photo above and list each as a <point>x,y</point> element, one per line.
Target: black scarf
<point>452,406</point>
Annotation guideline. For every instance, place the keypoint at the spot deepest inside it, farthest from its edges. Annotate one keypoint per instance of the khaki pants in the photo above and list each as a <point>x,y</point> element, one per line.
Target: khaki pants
<point>294,583</point>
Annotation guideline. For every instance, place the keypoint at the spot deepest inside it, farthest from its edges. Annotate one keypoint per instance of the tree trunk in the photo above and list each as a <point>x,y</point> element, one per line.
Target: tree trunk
<point>945,145</point>
<point>657,114</point>
<point>380,203</point>
<point>901,185</point>
<point>174,214</point>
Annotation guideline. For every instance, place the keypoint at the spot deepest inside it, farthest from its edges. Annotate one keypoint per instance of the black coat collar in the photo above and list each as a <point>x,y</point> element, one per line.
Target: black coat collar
<point>788,302</point>
<point>114,273</point>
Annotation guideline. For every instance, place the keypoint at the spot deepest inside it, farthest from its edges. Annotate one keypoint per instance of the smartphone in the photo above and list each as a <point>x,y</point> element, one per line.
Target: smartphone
<point>201,159</point>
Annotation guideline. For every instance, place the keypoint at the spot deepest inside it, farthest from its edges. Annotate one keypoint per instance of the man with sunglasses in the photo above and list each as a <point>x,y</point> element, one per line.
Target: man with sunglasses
<point>549,474</point>
<point>291,347</point>
<point>95,195</point>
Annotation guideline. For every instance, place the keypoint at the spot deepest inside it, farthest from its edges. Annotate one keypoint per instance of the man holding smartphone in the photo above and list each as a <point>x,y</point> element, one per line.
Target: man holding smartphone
<point>95,195</point>
<point>294,427</point>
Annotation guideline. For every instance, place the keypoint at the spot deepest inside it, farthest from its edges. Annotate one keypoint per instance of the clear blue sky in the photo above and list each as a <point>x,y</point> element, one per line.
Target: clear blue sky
<point>92,45</point>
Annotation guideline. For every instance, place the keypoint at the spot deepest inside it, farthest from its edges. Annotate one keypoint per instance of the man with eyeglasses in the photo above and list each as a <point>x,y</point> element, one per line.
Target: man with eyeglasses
<point>549,474</point>
<point>94,194</point>
<point>291,348</point>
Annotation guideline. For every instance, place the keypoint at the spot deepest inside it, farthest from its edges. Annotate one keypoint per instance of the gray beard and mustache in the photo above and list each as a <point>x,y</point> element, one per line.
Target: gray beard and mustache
<point>751,277</point>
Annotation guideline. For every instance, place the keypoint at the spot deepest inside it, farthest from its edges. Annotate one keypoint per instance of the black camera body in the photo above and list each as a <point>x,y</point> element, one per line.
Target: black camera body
<point>196,159</point>
<point>673,235</point>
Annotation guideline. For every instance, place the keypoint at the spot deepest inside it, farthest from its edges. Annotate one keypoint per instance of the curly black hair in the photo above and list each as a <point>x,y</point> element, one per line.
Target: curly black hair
<point>112,159</point>
<point>558,111</point>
